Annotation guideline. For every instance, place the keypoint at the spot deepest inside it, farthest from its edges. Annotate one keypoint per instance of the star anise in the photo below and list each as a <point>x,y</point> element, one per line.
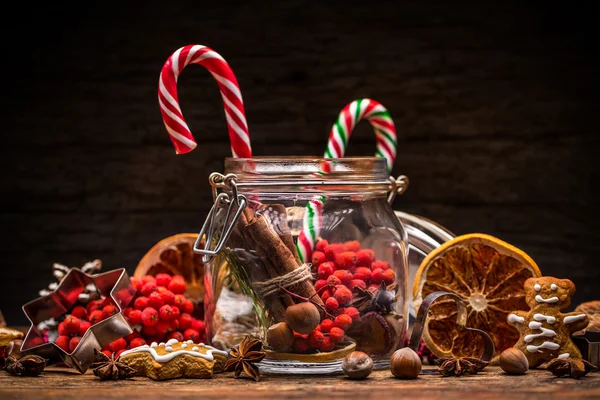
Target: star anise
<point>30,365</point>
<point>244,356</point>
<point>106,367</point>
<point>571,367</point>
<point>457,366</point>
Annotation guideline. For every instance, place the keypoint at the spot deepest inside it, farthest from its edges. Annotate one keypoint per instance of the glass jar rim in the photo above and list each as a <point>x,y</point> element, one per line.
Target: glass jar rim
<point>306,168</point>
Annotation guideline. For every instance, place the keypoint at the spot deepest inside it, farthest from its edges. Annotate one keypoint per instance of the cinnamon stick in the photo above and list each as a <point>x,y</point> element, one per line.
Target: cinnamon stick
<point>277,217</point>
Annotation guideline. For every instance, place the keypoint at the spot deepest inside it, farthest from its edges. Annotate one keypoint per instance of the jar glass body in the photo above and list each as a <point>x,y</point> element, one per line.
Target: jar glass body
<point>330,239</point>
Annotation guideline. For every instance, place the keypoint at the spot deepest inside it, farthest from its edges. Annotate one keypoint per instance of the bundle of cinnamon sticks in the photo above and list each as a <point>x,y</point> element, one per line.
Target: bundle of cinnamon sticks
<point>265,248</point>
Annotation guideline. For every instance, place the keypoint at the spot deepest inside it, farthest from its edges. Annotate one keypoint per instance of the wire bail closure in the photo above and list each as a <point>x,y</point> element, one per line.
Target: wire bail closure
<point>216,222</point>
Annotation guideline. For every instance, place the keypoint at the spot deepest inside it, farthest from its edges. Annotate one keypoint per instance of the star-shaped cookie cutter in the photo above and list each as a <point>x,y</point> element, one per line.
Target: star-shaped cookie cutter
<point>114,284</point>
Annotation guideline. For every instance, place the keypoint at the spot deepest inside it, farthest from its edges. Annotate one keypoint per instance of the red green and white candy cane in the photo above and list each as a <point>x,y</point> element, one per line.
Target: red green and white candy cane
<point>311,227</point>
<point>230,92</point>
<point>379,118</point>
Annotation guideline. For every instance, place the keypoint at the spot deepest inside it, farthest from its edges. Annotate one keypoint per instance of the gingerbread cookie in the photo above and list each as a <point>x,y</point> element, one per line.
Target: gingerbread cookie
<point>545,331</point>
<point>175,360</point>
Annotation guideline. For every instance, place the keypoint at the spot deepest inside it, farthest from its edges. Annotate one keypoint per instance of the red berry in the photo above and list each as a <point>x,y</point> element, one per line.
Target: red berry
<point>326,325</point>
<point>133,335</point>
<point>300,345</point>
<point>149,287</point>
<point>332,250</point>
<point>336,334</point>
<point>155,300</point>
<point>83,327</point>
<point>148,278</point>
<point>167,296</point>
<point>164,328</point>
<point>96,316</point>
<point>362,273</point>
<point>188,307</point>
<point>315,339</point>
<point>79,312</point>
<point>300,335</point>
<point>137,342</point>
<point>179,301</point>
<point>359,283</point>
<point>325,269</point>
<point>61,328</point>
<point>118,345</point>
<point>332,304</point>
<point>177,285</point>
<point>176,314</point>
<point>342,294</point>
<point>63,342</point>
<point>149,331</point>
<point>185,321</point>
<point>389,276</point>
<point>198,325</point>
<point>384,265</point>
<point>326,294</point>
<point>320,284</point>
<point>344,275</point>
<point>93,306</point>
<point>126,311</point>
<point>365,257</point>
<point>71,324</point>
<point>109,311</point>
<point>118,353</point>
<point>107,353</point>
<point>163,280</point>
<point>327,345</point>
<point>149,316</point>
<point>333,280</point>
<point>140,303</point>
<point>352,245</point>
<point>343,322</point>
<point>352,312</point>
<point>191,334</point>
<point>137,283</point>
<point>373,287</point>
<point>166,312</point>
<point>176,335</point>
<point>377,276</point>
<point>345,260</point>
<point>321,245</point>
<point>73,343</point>
<point>135,317</point>
<point>318,257</point>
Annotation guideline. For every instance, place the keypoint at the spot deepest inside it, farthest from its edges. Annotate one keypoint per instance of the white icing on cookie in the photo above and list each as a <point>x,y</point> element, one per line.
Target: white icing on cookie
<point>184,345</point>
<point>515,318</point>
<point>190,342</point>
<point>154,344</point>
<point>537,287</point>
<point>540,299</point>
<point>564,355</point>
<point>545,333</point>
<point>545,345</point>
<point>535,325</point>
<point>548,318</point>
<point>161,344</point>
<point>169,349</point>
<point>553,286</point>
<point>168,357</point>
<point>195,348</point>
<point>572,318</point>
<point>171,342</point>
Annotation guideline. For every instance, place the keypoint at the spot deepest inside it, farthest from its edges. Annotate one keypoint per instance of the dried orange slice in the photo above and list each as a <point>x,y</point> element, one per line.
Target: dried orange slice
<point>488,274</point>
<point>592,309</point>
<point>174,255</point>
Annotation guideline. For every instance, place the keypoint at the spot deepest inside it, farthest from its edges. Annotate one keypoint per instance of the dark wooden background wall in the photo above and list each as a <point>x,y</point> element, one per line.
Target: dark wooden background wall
<point>497,109</point>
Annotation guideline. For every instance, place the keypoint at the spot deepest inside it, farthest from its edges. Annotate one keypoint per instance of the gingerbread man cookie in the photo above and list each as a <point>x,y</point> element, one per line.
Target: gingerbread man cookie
<point>545,331</point>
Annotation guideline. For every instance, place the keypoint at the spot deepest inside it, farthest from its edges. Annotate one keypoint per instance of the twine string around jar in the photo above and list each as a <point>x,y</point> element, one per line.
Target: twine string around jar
<point>272,286</point>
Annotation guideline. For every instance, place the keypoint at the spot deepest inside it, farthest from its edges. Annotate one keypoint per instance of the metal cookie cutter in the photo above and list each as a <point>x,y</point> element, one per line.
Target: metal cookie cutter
<point>112,284</point>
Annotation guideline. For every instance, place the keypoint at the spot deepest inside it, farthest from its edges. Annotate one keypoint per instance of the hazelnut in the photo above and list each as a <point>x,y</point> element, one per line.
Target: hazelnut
<point>513,361</point>
<point>14,348</point>
<point>280,337</point>
<point>357,365</point>
<point>303,317</point>
<point>405,364</point>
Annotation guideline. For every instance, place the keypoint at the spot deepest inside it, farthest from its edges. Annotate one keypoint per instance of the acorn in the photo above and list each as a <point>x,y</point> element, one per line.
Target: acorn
<point>303,317</point>
<point>513,361</point>
<point>357,365</point>
<point>405,364</point>
<point>280,337</point>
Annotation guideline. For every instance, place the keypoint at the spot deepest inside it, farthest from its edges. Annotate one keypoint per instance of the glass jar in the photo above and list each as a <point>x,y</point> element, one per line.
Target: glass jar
<point>314,263</point>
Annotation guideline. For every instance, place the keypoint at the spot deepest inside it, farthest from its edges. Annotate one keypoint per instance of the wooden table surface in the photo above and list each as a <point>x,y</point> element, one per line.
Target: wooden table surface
<point>488,385</point>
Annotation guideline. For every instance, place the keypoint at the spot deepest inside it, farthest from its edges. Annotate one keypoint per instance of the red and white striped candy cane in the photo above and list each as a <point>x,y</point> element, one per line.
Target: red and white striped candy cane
<point>379,118</point>
<point>230,92</point>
